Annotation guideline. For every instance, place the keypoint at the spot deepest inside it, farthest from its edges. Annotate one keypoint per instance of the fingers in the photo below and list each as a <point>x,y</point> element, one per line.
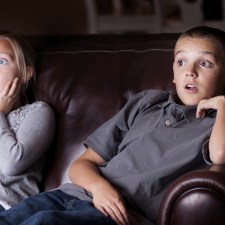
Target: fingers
<point>9,95</point>
<point>12,88</point>
<point>210,103</point>
<point>116,211</point>
<point>102,210</point>
<point>109,201</point>
<point>118,214</point>
<point>200,113</point>
<point>201,108</point>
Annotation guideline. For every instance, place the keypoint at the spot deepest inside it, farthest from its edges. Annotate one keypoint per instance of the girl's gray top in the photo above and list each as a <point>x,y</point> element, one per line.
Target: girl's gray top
<point>25,134</point>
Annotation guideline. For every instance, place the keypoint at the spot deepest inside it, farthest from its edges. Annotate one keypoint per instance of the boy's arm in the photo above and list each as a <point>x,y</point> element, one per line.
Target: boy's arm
<point>106,198</point>
<point>217,138</point>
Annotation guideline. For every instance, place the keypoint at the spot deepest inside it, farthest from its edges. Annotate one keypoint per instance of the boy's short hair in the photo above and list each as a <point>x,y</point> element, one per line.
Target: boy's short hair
<point>217,35</point>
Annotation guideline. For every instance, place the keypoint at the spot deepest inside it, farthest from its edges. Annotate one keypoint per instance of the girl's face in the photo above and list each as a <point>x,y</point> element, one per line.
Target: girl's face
<point>8,66</point>
<point>199,71</point>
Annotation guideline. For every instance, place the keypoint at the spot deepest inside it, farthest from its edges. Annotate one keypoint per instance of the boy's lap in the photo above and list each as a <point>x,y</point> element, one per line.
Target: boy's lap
<point>56,208</point>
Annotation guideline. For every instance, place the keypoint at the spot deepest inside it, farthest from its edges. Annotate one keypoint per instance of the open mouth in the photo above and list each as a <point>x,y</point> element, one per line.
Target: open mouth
<point>191,87</point>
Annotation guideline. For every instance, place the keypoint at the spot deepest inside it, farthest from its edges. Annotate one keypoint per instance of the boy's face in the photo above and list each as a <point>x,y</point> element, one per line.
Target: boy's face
<point>199,71</point>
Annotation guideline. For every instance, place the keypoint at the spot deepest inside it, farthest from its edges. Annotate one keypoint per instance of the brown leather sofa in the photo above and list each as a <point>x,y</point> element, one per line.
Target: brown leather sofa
<point>87,79</point>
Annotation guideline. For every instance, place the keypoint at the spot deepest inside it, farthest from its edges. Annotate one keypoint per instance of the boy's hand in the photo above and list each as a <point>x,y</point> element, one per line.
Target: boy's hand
<point>211,103</point>
<point>109,202</point>
<point>9,95</point>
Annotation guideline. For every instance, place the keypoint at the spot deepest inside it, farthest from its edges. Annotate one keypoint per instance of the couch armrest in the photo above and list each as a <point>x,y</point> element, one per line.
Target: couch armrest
<point>195,198</point>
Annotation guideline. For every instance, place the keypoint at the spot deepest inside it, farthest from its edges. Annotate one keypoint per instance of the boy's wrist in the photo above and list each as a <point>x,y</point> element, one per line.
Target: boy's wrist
<point>221,102</point>
<point>98,185</point>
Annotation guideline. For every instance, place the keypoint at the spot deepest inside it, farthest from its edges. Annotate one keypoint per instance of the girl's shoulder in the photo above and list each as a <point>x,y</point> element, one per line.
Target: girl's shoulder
<point>38,105</point>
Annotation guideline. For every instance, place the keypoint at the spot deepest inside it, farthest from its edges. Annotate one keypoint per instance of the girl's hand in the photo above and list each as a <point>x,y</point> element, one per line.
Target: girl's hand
<point>9,95</point>
<point>109,202</point>
<point>211,103</point>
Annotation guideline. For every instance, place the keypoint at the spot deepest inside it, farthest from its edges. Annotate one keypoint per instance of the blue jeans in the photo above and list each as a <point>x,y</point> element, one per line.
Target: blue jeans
<point>54,208</point>
<point>1,208</point>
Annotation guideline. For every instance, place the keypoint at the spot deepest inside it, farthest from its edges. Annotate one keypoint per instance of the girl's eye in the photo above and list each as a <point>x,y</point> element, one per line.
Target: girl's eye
<point>180,62</point>
<point>206,64</point>
<point>3,61</point>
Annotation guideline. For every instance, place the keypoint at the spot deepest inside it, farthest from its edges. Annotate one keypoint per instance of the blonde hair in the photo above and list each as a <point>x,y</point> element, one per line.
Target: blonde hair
<point>24,56</point>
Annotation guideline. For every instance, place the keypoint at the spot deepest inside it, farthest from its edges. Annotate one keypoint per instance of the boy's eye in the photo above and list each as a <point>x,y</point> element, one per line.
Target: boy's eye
<point>3,61</point>
<point>206,64</point>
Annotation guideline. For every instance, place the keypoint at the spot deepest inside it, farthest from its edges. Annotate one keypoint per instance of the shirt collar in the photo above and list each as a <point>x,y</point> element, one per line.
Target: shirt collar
<point>189,111</point>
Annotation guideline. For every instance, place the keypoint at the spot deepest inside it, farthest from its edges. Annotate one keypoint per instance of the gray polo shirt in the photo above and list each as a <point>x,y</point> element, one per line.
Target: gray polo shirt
<point>149,143</point>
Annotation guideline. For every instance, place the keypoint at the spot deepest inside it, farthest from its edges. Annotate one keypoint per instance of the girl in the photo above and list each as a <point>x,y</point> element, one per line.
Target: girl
<point>26,130</point>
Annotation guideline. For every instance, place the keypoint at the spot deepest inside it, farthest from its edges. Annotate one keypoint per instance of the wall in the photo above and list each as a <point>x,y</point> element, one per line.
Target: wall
<point>64,17</point>
<point>43,16</point>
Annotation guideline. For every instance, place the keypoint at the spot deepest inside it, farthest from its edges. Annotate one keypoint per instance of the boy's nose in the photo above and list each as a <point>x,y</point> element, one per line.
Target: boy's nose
<point>191,74</point>
<point>191,71</point>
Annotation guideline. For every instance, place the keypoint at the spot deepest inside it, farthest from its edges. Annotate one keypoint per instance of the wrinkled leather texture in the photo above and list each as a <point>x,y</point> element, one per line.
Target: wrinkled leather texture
<point>87,79</point>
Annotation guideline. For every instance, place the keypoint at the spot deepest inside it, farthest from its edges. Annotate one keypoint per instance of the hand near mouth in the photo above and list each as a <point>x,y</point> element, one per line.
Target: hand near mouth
<point>9,95</point>
<point>205,104</point>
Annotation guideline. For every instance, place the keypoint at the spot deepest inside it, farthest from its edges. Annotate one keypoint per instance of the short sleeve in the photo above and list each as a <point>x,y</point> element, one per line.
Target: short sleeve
<point>106,139</point>
<point>205,152</point>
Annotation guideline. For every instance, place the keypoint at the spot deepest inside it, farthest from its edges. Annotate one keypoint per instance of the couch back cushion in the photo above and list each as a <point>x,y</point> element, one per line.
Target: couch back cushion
<point>87,79</point>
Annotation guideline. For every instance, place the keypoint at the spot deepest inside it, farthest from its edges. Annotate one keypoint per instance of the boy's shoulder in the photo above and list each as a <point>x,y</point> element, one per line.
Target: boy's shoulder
<point>153,96</point>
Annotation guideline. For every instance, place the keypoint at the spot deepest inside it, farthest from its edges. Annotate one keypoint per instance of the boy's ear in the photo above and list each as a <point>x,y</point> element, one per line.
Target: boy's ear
<point>29,73</point>
<point>174,81</point>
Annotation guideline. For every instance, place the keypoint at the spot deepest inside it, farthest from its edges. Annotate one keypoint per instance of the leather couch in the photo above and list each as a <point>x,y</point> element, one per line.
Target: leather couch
<point>86,80</point>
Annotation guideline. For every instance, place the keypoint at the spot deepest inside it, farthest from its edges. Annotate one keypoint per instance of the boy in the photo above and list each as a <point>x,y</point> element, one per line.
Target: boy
<point>155,138</point>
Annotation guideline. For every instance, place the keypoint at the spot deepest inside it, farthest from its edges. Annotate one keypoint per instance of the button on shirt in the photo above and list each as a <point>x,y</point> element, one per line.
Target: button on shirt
<point>168,123</point>
<point>148,144</point>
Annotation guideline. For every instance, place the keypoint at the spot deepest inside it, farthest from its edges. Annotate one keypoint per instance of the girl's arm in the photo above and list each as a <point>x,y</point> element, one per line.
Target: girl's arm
<point>106,198</point>
<point>20,150</point>
<point>217,138</point>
